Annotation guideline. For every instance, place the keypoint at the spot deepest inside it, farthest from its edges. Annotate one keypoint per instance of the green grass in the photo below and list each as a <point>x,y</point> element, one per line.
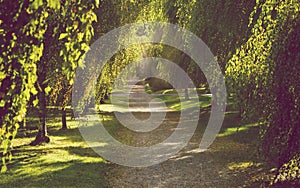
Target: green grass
<point>172,99</point>
<point>169,97</point>
<point>239,128</point>
<point>67,161</point>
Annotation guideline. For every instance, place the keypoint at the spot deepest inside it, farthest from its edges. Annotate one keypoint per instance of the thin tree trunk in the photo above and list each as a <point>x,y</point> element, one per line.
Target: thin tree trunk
<point>63,118</point>
<point>186,94</point>
<point>66,97</point>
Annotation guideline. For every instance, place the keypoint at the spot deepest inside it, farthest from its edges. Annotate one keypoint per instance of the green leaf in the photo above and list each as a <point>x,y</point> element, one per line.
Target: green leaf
<point>97,3</point>
<point>80,36</point>
<point>2,75</point>
<point>71,81</point>
<point>2,103</point>
<point>3,168</point>
<point>47,90</point>
<point>62,36</point>
<point>55,4</point>
<point>33,91</point>
<point>35,102</point>
<point>36,4</point>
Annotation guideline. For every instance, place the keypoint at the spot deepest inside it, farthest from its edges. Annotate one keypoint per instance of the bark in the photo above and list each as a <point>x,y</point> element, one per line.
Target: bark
<point>67,93</point>
<point>42,136</point>
<point>63,118</point>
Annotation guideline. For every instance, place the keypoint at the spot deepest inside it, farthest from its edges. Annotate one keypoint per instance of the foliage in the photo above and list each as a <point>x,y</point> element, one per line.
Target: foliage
<point>289,173</point>
<point>256,44</point>
<point>22,44</point>
<point>132,11</point>
<point>194,16</point>
<point>24,28</point>
<point>264,76</point>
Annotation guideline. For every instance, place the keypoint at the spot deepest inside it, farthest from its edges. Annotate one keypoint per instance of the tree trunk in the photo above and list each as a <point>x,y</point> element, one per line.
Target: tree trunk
<point>63,118</point>
<point>42,135</point>
<point>186,94</point>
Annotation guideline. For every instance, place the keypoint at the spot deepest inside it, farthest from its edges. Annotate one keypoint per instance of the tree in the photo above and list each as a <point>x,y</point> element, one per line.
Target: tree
<point>264,76</point>
<point>21,40</point>
<point>26,29</point>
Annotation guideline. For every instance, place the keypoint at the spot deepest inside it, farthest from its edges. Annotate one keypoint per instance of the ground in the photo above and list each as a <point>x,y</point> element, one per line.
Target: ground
<point>67,161</point>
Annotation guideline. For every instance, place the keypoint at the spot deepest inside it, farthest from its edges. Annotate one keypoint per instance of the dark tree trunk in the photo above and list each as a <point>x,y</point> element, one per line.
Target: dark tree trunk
<point>67,93</point>
<point>63,118</point>
<point>44,65</point>
<point>42,135</point>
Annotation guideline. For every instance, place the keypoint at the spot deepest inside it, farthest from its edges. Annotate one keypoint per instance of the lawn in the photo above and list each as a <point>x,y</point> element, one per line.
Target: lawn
<point>67,161</point>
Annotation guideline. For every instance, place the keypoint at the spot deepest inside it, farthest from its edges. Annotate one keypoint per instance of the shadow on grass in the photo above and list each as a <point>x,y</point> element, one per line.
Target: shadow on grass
<point>237,130</point>
<point>62,163</point>
<point>57,174</point>
<point>66,161</point>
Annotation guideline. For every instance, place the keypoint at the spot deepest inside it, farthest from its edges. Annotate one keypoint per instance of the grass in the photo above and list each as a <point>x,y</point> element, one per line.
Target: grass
<point>67,161</point>
<point>234,130</point>
<point>170,98</point>
<point>173,101</point>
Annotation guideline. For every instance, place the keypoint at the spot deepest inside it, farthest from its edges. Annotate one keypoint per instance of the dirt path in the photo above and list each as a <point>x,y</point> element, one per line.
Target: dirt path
<point>229,162</point>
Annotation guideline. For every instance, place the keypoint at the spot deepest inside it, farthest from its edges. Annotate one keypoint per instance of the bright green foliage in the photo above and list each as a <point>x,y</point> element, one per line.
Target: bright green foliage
<point>77,34</point>
<point>65,53</point>
<point>196,16</point>
<point>22,44</point>
<point>131,11</point>
<point>23,28</point>
<point>222,25</point>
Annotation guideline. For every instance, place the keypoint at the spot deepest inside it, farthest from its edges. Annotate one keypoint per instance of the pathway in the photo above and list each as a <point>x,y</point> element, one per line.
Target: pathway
<point>224,164</point>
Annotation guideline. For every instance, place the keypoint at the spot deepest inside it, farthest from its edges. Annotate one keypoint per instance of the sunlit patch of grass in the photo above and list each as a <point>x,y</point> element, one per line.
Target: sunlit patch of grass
<point>167,91</point>
<point>233,130</point>
<point>172,100</point>
<point>241,165</point>
<point>110,108</point>
<point>169,96</point>
<point>186,104</point>
<point>173,91</point>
